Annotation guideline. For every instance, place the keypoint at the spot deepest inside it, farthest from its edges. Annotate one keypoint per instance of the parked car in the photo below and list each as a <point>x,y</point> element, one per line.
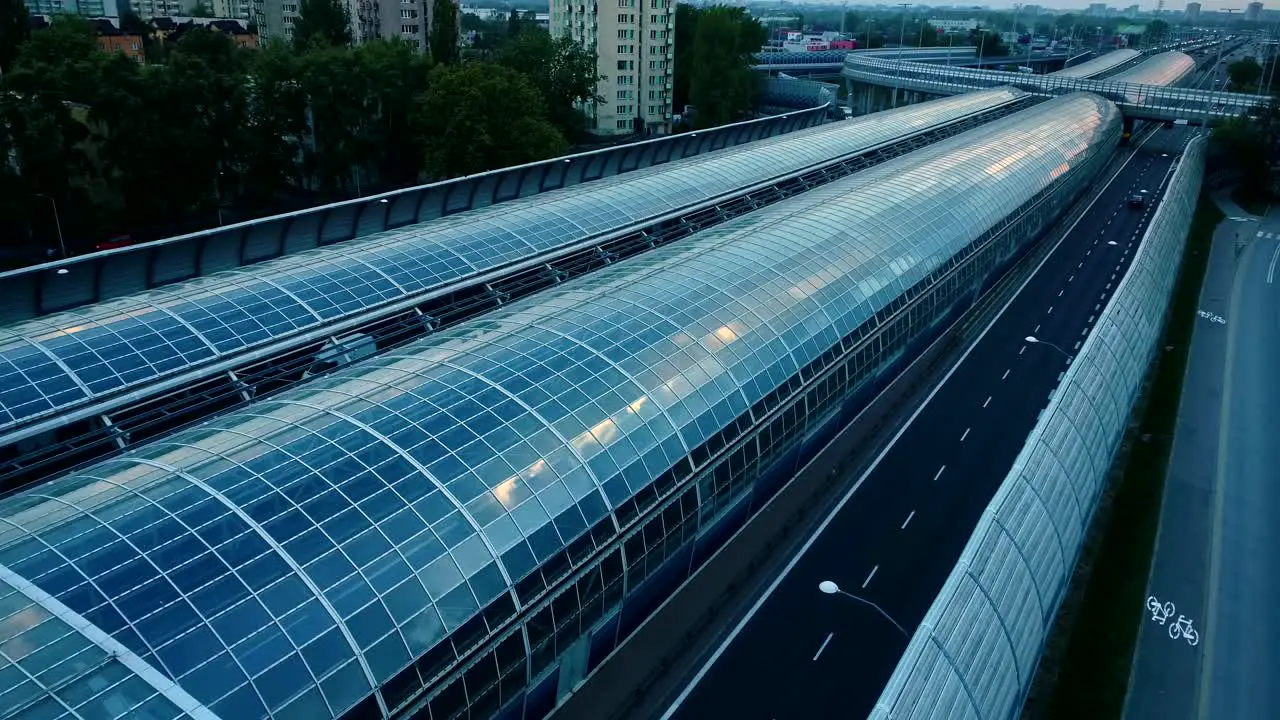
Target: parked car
<point>1137,201</point>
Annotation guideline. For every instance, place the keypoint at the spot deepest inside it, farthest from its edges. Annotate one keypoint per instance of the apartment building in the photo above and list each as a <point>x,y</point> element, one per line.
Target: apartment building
<point>151,9</point>
<point>633,40</point>
<point>87,8</point>
<point>409,20</point>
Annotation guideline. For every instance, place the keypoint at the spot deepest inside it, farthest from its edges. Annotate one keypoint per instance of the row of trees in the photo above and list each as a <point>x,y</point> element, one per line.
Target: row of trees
<point>218,134</point>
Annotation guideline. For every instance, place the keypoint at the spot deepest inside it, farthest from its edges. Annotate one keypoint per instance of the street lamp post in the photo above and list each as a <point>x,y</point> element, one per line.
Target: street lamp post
<point>1037,341</point>
<point>57,224</point>
<point>830,588</point>
<point>902,34</point>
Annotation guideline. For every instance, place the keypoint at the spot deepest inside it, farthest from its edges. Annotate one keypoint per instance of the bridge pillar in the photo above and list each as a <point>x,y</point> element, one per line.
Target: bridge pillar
<point>848,95</point>
<point>1128,130</point>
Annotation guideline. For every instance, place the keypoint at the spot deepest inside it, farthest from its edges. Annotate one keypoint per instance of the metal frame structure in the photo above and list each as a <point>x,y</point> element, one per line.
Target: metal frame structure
<point>522,489</point>
<point>66,435</point>
<point>81,280</point>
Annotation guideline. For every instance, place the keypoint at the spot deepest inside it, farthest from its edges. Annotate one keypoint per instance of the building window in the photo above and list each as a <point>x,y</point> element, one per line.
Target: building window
<point>626,64</point>
<point>626,79</point>
<point>626,34</point>
<point>626,49</point>
<point>624,94</point>
<point>653,110</point>
<point>658,4</point>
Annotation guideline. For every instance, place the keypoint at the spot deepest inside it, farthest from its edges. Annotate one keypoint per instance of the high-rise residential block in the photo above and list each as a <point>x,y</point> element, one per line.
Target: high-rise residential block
<point>634,44</point>
<point>1253,12</point>
<point>1193,12</point>
<point>87,8</point>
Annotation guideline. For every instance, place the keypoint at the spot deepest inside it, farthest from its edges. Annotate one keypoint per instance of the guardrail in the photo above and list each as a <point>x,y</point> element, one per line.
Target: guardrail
<point>50,287</point>
<point>977,649</point>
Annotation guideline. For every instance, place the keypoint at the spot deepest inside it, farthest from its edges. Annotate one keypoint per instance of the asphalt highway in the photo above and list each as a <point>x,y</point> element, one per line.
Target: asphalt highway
<point>892,541</point>
<point>1215,558</point>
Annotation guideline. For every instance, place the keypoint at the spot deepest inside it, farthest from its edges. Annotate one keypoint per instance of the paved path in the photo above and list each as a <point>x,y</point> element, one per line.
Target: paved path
<point>1216,554</point>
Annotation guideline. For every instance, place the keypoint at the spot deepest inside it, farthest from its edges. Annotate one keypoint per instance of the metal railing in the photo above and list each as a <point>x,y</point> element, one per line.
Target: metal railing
<point>1135,99</point>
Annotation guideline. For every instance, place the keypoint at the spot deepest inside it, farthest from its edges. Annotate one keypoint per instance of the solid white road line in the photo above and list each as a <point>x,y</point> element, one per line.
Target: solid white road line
<point>870,575</point>
<point>908,520</point>
<point>823,646</point>
<point>875,463</point>
<point>1271,268</point>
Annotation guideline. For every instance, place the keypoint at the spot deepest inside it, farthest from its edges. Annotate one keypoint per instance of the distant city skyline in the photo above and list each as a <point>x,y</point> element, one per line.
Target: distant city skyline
<point>1171,6</point>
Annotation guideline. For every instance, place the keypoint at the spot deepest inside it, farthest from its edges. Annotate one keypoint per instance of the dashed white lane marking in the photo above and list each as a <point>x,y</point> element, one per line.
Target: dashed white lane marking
<point>965,435</point>
<point>1050,310</point>
<point>823,646</point>
<point>988,402</point>
<point>908,520</point>
<point>870,575</point>
<point>1005,375</point>
<point>1024,349</point>
<point>1060,293</point>
<point>1037,329</point>
<point>1073,277</point>
<point>939,473</point>
<point>1077,345</point>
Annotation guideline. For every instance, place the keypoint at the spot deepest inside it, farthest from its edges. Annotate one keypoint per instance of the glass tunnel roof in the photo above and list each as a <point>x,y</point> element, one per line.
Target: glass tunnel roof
<point>1165,69</point>
<point>61,359</point>
<point>1099,64</point>
<point>288,557</point>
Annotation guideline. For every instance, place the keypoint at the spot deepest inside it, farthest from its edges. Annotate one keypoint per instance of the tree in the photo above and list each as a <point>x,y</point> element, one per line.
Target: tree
<point>988,43</point>
<point>514,23</point>
<point>322,22</point>
<point>466,132</point>
<point>444,32</point>
<point>1156,31</point>
<point>682,66</point>
<point>15,29</point>
<point>1244,73</point>
<point>723,87</point>
<point>396,76</point>
<point>562,70</point>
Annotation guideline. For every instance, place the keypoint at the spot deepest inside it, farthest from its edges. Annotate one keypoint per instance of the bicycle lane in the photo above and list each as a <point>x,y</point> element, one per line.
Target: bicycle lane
<point>1166,672</point>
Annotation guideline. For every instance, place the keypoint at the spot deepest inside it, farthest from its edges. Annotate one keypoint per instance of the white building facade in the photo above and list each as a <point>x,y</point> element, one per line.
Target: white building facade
<point>634,44</point>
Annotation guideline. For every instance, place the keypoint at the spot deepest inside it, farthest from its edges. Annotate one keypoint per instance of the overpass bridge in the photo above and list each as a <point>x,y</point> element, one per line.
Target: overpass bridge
<point>1076,64</point>
<point>1147,95</point>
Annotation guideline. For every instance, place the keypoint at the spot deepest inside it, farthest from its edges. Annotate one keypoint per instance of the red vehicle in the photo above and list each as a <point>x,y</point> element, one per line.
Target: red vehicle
<point>115,241</point>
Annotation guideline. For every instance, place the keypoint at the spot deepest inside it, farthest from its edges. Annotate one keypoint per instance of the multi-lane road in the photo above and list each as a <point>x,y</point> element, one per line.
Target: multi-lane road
<point>1216,555</point>
<point>893,539</point>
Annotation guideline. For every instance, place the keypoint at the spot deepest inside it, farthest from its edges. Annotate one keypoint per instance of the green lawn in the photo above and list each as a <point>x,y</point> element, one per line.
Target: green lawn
<point>1094,674</point>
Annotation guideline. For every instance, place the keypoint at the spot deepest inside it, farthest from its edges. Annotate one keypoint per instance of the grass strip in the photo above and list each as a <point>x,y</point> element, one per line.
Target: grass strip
<point>1094,675</point>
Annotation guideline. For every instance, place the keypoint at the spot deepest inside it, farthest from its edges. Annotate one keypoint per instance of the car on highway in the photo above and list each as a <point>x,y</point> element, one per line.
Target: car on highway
<point>1137,201</point>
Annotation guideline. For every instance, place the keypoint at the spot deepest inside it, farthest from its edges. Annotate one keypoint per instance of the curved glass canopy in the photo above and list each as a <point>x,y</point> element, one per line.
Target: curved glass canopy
<point>59,360</point>
<point>1165,69</point>
<point>288,558</point>
<point>1098,65</point>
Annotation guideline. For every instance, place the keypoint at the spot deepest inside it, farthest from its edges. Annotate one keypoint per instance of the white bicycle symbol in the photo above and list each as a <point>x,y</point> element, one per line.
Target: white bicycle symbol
<point>1211,317</point>
<point>1181,628</point>
<point>1159,612</point>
